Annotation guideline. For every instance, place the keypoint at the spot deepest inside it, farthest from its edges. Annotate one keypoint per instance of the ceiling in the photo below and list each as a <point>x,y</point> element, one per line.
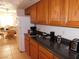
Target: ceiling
<point>14,4</point>
<point>27,3</point>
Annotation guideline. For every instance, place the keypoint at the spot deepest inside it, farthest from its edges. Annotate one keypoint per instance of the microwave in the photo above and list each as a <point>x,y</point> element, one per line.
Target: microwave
<point>74,45</point>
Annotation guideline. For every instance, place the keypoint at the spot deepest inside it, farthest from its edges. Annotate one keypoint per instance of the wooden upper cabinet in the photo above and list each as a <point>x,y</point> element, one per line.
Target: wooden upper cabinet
<point>33,13</point>
<point>27,11</point>
<point>39,12</point>
<point>45,12</point>
<point>42,12</point>
<point>73,13</point>
<point>56,12</point>
<point>63,12</point>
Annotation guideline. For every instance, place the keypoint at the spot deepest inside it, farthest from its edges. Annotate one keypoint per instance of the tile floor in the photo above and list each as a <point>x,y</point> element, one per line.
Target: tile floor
<point>9,50</point>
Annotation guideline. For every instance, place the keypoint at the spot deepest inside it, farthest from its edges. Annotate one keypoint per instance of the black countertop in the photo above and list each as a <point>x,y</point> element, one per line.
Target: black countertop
<point>62,50</point>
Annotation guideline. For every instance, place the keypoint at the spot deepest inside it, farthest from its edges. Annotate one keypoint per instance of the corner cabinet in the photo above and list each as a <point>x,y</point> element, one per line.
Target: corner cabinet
<point>33,14</point>
<point>27,11</point>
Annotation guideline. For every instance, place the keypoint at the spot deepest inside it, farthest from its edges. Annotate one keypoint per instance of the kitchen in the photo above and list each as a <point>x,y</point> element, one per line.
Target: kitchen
<point>59,17</point>
<point>46,29</point>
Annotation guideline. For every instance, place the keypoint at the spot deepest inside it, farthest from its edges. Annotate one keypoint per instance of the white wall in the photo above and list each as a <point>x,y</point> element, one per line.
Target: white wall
<point>23,27</point>
<point>20,12</point>
<point>69,33</point>
<point>23,24</point>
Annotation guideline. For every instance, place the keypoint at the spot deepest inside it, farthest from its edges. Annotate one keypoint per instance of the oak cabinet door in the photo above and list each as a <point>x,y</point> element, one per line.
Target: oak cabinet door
<point>27,11</point>
<point>33,14</point>
<point>63,12</point>
<point>57,12</point>
<point>54,12</point>
<point>44,54</point>
<point>42,12</point>
<point>27,45</point>
<point>33,49</point>
<point>73,13</point>
<point>39,13</point>
<point>45,10</point>
<point>55,57</point>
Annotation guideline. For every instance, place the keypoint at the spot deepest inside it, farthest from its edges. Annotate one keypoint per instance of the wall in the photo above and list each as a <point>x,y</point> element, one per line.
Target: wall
<point>20,12</point>
<point>23,24</point>
<point>69,33</point>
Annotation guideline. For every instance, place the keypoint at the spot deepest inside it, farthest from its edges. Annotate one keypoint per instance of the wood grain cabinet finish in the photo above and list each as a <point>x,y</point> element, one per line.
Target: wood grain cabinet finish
<point>73,13</point>
<point>63,10</point>
<point>44,54</point>
<point>37,51</point>
<point>27,45</point>
<point>33,14</point>
<point>42,12</point>
<point>33,49</point>
<point>57,12</point>
<point>27,11</point>
<point>55,57</point>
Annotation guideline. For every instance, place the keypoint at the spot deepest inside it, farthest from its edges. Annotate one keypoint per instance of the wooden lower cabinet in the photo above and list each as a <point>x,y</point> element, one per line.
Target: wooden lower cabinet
<point>55,57</point>
<point>44,54</point>
<point>27,45</point>
<point>33,49</point>
<point>37,51</point>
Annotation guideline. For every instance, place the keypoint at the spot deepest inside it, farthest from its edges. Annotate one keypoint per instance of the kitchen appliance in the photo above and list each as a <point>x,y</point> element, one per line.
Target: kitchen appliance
<point>59,39</point>
<point>74,45</point>
<point>33,30</point>
<point>52,36</point>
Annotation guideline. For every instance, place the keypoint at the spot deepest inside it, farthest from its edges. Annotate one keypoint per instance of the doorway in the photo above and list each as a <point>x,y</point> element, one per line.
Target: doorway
<point>8,27</point>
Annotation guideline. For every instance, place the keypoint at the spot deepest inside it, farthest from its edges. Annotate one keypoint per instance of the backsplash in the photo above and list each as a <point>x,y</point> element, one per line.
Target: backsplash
<point>65,32</point>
